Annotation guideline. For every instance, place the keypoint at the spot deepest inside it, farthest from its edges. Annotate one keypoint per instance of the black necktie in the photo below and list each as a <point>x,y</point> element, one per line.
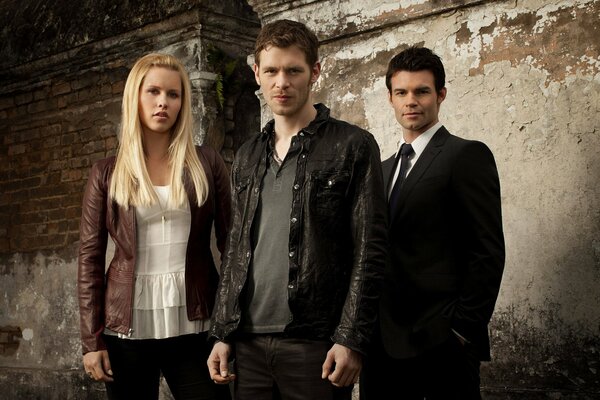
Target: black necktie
<point>405,151</point>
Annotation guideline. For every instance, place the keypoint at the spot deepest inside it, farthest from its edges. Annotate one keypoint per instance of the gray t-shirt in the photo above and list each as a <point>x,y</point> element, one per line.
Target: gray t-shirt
<point>266,307</point>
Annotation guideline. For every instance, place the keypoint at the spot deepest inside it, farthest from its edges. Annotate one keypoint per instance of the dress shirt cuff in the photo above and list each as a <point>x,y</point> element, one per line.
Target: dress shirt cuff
<point>460,336</point>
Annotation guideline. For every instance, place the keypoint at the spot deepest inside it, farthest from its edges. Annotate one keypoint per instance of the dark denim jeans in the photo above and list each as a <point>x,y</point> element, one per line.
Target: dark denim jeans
<point>271,367</point>
<point>138,364</point>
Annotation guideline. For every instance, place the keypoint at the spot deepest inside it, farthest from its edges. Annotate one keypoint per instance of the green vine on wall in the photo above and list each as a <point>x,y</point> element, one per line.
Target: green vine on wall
<point>224,66</point>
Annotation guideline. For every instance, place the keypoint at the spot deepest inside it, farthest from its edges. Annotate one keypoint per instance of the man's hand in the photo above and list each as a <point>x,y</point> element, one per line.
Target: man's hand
<point>97,365</point>
<point>218,363</point>
<point>342,366</point>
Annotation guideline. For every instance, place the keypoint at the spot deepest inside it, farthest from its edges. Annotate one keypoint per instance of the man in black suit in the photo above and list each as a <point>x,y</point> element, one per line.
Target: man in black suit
<point>446,248</point>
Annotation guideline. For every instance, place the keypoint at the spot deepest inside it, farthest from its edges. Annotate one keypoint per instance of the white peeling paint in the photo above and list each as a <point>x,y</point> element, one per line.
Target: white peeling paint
<point>487,40</point>
<point>482,21</point>
<point>365,14</point>
<point>369,49</point>
<point>27,334</point>
<point>545,19</point>
<point>544,12</point>
<point>348,97</point>
<point>410,3</point>
<point>379,116</point>
<point>593,63</point>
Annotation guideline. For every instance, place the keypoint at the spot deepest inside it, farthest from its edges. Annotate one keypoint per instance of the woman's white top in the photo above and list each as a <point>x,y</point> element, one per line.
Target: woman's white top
<point>159,309</point>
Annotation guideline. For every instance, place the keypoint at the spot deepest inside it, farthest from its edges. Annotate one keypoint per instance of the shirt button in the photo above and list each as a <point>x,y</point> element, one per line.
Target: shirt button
<point>296,186</point>
<point>294,220</point>
<point>329,183</point>
<point>290,286</point>
<point>303,156</point>
<point>256,190</point>
<point>291,254</point>
<point>301,133</point>
<point>248,255</point>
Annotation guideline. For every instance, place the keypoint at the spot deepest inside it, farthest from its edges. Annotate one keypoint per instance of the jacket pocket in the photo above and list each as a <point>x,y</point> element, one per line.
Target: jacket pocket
<point>330,189</point>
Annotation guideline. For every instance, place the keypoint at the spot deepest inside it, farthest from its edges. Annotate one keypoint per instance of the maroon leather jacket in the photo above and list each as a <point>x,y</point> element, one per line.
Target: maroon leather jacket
<point>105,298</point>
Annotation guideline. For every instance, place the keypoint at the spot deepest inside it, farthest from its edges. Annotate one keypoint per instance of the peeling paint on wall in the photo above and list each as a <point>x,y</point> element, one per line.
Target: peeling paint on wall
<point>559,39</point>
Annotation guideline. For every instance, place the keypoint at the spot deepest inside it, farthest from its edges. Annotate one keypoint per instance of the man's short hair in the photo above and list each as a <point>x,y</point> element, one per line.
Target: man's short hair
<point>415,59</point>
<point>285,33</point>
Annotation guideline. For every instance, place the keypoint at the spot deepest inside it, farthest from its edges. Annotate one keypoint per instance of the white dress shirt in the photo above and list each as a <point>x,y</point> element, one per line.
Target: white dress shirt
<point>418,146</point>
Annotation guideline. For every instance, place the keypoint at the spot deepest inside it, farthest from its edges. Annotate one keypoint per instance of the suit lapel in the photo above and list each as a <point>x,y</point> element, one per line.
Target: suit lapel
<point>388,167</point>
<point>421,167</point>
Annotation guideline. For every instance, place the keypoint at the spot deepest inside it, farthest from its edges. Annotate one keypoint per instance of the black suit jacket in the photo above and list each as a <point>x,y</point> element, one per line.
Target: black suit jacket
<point>446,253</point>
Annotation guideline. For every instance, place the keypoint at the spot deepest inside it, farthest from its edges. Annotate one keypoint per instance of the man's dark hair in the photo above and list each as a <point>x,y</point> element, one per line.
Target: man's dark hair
<point>416,59</point>
<point>285,33</point>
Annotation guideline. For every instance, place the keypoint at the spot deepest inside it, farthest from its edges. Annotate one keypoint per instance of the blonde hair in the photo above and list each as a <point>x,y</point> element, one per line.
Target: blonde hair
<point>130,183</point>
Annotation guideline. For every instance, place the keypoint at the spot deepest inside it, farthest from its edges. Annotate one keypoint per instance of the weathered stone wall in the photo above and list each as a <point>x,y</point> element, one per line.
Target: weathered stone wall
<point>63,68</point>
<point>523,77</point>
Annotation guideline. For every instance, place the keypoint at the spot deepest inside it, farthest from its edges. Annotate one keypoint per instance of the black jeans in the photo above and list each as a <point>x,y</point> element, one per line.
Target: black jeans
<point>137,365</point>
<point>449,371</point>
<point>270,367</point>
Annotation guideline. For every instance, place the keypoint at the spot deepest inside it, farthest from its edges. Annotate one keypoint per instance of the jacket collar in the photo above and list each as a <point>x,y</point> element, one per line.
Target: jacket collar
<point>311,129</point>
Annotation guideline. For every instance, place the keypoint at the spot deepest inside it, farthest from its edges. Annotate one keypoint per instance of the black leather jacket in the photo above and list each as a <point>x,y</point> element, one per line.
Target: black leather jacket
<point>337,236</point>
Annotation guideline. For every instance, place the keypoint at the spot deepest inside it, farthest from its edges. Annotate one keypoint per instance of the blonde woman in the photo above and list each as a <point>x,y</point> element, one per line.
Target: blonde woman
<point>158,199</point>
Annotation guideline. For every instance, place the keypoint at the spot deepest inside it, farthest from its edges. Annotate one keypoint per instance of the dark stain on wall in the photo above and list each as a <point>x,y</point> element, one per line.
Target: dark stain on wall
<point>550,357</point>
<point>9,340</point>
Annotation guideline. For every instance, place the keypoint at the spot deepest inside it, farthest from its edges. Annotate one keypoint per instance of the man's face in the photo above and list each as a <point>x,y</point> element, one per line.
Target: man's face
<point>415,101</point>
<point>285,79</point>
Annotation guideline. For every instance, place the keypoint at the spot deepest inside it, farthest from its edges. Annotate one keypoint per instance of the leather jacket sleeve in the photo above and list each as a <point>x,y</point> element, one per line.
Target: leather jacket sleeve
<point>92,254</point>
<point>223,200</point>
<point>220,313</point>
<point>369,231</point>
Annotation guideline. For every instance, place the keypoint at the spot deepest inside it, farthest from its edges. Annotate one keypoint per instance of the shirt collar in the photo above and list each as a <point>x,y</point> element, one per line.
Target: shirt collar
<point>422,140</point>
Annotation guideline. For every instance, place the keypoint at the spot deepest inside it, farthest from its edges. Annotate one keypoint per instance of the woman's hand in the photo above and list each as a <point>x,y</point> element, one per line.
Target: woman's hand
<point>97,365</point>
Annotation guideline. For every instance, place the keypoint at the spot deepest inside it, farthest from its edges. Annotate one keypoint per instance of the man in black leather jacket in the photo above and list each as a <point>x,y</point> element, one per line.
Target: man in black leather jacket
<point>304,260</point>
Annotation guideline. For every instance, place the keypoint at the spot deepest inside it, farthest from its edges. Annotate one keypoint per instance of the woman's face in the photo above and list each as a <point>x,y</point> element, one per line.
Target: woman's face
<point>160,100</point>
